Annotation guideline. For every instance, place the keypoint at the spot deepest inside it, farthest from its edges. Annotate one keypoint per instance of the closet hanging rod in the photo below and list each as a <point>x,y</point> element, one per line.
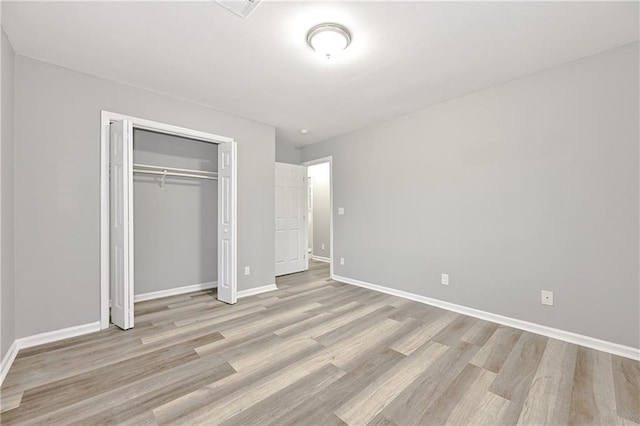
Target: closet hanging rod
<point>167,173</point>
<point>174,169</point>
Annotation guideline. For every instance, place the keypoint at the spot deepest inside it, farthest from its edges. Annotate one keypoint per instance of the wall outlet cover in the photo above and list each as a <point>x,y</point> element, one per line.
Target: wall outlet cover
<point>547,298</point>
<point>342,260</point>
<point>247,270</point>
<point>340,210</point>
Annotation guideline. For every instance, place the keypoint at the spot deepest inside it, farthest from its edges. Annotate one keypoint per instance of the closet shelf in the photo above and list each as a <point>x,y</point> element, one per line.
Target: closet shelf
<point>173,171</point>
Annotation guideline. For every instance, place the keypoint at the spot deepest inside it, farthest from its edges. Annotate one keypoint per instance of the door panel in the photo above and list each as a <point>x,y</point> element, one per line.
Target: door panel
<point>121,224</point>
<point>291,226</point>
<point>295,244</point>
<point>227,256</point>
<point>280,255</point>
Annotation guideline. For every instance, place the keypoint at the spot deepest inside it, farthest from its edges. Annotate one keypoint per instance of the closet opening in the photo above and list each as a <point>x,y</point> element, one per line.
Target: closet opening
<point>168,222</point>
<point>175,197</point>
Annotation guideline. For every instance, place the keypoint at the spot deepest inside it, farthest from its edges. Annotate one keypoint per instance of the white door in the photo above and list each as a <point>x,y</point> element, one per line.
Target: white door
<point>291,226</point>
<point>227,195</point>
<point>121,224</point>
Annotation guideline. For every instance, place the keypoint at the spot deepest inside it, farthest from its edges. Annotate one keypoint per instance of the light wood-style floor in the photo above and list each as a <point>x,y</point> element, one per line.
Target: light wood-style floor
<point>316,352</point>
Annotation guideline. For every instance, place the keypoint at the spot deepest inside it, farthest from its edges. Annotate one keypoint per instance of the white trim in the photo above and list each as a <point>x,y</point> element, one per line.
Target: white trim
<point>257,290</point>
<point>7,361</point>
<point>155,126</point>
<point>567,336</point>
<point>41,339</point>
<point>321,259</point>
<point>104,218</point>
<point>174,291</point>
<point>54,336</point>
<point>329,160</point>
<point>106,118</point>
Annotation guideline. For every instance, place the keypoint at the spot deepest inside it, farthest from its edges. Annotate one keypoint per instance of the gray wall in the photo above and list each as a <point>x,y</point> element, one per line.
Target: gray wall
<point>287,153</point>
<point>7,289</point>
<point>525,186</point>
<point>319,175</point>
<point>57,192</point>
<point>175,228</point>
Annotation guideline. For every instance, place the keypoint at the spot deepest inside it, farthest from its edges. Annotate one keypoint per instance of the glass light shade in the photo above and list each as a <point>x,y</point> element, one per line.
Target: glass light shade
<point>328,39</point>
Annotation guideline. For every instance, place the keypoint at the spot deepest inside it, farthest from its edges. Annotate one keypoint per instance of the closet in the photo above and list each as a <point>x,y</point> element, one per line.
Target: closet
<point>168,214</point>
<point>175,202</point>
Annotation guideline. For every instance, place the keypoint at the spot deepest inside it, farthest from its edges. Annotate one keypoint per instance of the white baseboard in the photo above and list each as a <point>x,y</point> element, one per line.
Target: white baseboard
<point>174,291</point>
<point>554,333</point>
<point>256,290</point>
<point>41,339</point>
<point>321,259</point>
<point>7,361</point>
<point>54,336</point>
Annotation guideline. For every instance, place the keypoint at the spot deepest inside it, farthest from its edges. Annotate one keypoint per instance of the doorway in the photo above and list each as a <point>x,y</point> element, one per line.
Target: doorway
<point>304,215</point>
<point>319,211</point>
<point>117,224</point>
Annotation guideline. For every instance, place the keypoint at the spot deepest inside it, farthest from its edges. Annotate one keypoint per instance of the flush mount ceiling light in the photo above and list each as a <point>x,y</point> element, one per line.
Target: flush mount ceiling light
<point>329,39</point>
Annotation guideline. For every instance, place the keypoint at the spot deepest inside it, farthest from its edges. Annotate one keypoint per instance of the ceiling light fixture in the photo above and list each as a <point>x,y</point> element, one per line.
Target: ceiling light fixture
<point>328,39</point>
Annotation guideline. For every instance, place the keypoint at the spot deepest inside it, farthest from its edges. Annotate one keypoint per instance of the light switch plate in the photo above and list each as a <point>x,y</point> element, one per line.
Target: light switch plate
<point>445,279</point>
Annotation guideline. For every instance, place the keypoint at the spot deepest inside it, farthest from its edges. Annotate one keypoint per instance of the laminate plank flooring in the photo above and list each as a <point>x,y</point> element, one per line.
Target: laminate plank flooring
<point>316,352</point>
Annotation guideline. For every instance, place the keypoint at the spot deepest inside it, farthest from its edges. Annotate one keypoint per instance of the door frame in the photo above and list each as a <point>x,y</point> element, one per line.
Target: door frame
<point>329,160</point>
<point>309,215</point>
<point>106,118</point>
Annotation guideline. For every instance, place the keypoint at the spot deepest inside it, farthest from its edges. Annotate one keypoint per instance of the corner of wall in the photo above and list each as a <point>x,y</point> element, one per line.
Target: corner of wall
<point>287,153</point>
<point>7,277</point>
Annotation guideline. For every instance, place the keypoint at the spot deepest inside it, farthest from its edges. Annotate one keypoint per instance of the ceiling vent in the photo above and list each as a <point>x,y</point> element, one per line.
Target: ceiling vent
<point>241,8</point>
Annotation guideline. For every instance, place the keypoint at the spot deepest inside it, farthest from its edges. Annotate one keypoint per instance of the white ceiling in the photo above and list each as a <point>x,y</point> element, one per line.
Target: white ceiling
<point>404,55</point>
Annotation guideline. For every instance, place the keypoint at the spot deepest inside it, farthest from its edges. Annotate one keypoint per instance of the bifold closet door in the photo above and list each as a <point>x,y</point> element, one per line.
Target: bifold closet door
<point>291,225</point>
<point>227,232</point>
<point>121,223</point>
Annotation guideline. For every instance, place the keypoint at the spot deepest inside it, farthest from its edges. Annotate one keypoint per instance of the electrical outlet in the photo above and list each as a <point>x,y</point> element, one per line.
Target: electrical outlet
<point>340,210</point>
<point>342,260</point>
<point>322,246</point>
<point>247,270</point>
<point>547,298</point>
<point>445,279</point>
